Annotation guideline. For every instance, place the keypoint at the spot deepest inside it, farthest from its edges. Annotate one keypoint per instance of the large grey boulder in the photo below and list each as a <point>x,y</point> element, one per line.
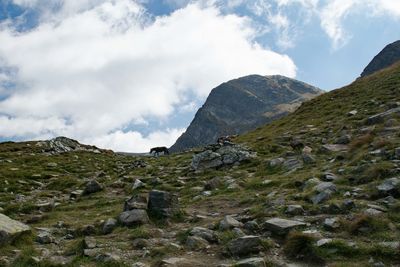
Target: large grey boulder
<point>281,226</point>
<point>163,204</point>
<point>133,217</point>
<point>223,155</point>
<point>11,229</point>
<point>379,118</point>
<point>245,245</point>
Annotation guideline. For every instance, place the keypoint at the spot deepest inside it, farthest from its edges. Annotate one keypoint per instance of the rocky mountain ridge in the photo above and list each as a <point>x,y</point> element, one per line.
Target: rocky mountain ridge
<point>241,105</point>
<point>387,57</point>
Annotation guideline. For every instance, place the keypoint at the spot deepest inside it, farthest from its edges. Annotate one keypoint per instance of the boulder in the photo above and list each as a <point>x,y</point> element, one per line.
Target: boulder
<point>295,210</point>
<point>92,187</point>
<point>205,233</point>
<point>379,118</point>
<point>389,187</point>
<point>11,229</point>
<point>45,238</point>
<point>321,197</point>
<point>136,202</point>
<point>245,245</point>
<point>331,223</point>
<point>229,223</point>
<point>108,226</point>
<point>163,204</point>
<point>133,217</point>
<point>138,184</point>
<point>196,243</point>
<point>329,148</point>
<point>329,177</point>
<point>325,186</point>
<point>281,226</point>
<point>251,262</point>
<point>292,164</point>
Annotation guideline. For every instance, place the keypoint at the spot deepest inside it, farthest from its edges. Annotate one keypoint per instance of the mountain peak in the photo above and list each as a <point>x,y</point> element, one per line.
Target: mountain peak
<point>387,57</point>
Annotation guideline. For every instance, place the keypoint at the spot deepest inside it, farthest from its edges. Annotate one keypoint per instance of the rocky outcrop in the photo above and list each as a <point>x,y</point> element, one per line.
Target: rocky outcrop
<point>218,156</point>
<point>387,57</point>
<point>63,144</point>
<point>242,105</point>
<point>11,229</point>
<point>163,204</point>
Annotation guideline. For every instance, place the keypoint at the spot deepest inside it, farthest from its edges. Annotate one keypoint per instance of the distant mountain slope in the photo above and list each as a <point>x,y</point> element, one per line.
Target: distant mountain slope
<point>244,104</point>
<point>387,57</point>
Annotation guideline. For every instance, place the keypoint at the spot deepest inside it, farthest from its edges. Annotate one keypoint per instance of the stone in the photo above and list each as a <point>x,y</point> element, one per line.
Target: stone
<point>108,226</point>
<point>45,238</point>
<point>352,113</point>
<point>90,242</point>
<point>372,212</point>
<point>397,152</point>
<point>136,202</point>
<point>11,229</point>
<point>348,204</point>
<point>324,241</point>
<point>251,226</point>
<point>163,204</point>
<point>379,118</point>
<point>251,262</point>
<point>276,162</point>
<point>138,184</point>
<point>76,194</point>
<point>205,233</point>
<point>229,223</point>
<point>321,197</point>
<point>46,206</point>
<point>92,187</point>
<point>344,139</point>
<point>389,187</point>
<point>133,217</point>
<point>196,243</point>
<point>295,210</point>
<point>325,186</point>
<point>308,159</point>
<point>329,177</point>
<point>281,226</point>
<point>245,245</point>
<point>331,223</point>
<point>292,164</point>
<point>329,148</point>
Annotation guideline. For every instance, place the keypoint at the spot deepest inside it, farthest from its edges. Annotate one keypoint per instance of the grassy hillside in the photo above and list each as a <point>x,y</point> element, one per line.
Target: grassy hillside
<point>357,224</point>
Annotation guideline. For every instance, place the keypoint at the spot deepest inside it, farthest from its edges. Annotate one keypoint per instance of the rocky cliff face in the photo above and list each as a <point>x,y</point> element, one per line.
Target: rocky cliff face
<point>387,57</point>
<point>241,105</point>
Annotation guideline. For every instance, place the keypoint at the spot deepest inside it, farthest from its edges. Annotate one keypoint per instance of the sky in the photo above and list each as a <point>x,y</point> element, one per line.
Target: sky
<point>129,75</point>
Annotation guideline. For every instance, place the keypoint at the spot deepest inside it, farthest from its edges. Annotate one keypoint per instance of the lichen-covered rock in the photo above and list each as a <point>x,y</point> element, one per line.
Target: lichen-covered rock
<point>281,226</point>
<point>92,187</point>
<point>224,155</point>
<point>11,229</point>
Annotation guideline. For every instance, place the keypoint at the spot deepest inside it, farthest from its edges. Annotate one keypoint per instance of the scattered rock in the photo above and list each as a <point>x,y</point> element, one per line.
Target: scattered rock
<point>92,187</point>
<point>44,238</point>
<point>281,226</point>
<point>329,148</point>
<point>325,186</point>
<point>379,118</point>
<point>138,184</point>
<point>295,210</point>
<point>324,241</point>
<point>372,212</point>
<point>11,229</point>
<point>133,217</point>
<point>76,194</point>
<point>344,139</point>
<point>140,243</point>
<point>245,245</point>
<point>205,233</point>
<point>108,226</point>
<point>229,223</point>
<point>331,223</point>
<point>196,243</point>
<point>273,163</point>
<point>390,187</point>
<point>352,113</point>
<point>329,177</point>
<point>213,184</point>
<point>163,203</point>
<point>136,202</point>
<point>90,242</point>
<point>251,262</point>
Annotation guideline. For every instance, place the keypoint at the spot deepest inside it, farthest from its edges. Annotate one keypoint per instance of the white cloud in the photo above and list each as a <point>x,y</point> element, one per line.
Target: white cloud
<point>134,141</point>
<point>103,66</point>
